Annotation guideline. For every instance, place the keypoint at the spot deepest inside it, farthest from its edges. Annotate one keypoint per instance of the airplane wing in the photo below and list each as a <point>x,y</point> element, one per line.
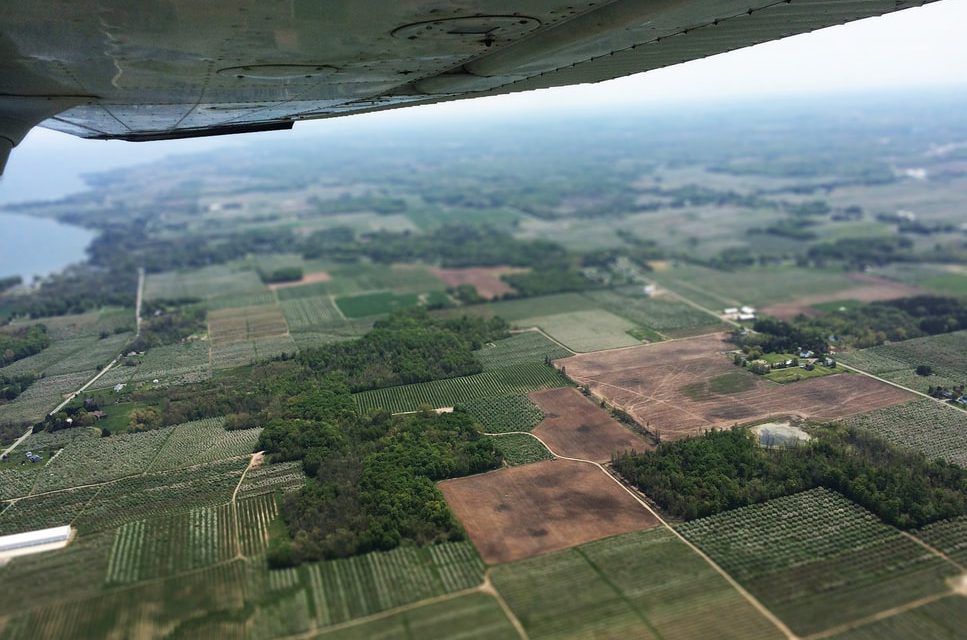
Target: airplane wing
<point>162,69</point>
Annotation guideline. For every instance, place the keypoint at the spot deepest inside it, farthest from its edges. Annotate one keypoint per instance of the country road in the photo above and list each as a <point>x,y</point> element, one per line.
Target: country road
<point>67,400</point>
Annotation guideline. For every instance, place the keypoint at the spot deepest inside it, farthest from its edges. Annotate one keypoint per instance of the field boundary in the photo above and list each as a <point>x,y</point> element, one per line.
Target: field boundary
<point>779,624</point>
<point>899,386</point>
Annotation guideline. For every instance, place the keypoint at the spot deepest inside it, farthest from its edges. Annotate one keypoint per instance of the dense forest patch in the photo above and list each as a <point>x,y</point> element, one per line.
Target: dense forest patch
<point>724,470</point>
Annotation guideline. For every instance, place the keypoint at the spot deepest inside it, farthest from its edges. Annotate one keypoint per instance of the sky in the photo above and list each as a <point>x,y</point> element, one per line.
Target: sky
<point>919,47</point>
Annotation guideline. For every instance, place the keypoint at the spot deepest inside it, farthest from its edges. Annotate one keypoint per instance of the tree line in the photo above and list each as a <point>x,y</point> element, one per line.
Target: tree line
<point>725,470</point>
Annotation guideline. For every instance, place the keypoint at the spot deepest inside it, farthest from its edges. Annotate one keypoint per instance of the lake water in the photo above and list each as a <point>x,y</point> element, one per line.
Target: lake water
<point>37,246</point>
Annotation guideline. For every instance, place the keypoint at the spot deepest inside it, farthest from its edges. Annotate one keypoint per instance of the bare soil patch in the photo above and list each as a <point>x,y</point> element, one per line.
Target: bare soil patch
<point>486,279</point>
<point>575,427</point>
<point>656,384</point>
<point>307,278</point>
<point>524,511</point>
<point>871,289</point>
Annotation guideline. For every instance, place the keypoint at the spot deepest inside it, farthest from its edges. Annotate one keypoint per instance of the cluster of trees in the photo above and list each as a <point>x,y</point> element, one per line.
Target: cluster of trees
<point>864,326</point>
<point>21,343</point>
<point>10,282</point>
<point>167,323</point>
<point>282,274</point>
<point>372,478</point>
<point>778,336</point>
<point>859,253</point>
<point>76,290</point>
<point>12,386</point>
<point>406,347</point>
<point>725,470</point>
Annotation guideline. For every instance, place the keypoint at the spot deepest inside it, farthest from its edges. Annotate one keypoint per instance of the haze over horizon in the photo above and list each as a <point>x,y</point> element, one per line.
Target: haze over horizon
<point>915,48</point>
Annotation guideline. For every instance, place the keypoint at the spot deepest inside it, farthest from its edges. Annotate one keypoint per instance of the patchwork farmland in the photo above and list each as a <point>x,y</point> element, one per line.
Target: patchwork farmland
<point>819,561</point>
<point>453,391</point>
<point>646,584</point>
<point>656,384</point>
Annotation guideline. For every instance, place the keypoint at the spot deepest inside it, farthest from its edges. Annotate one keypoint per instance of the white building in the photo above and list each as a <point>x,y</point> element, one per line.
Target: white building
<point>19,544</point>
<point>747,310</point>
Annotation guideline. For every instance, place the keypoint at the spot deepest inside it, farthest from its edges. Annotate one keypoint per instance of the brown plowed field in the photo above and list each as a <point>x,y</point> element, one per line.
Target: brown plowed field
<point>486,279</point>
<point>871,289</point>
<point>575,427</point>
<point>655,383</point>
<point>524,511</point>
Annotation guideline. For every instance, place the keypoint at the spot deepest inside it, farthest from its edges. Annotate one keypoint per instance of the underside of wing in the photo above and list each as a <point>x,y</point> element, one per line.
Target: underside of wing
<point>159,69</point>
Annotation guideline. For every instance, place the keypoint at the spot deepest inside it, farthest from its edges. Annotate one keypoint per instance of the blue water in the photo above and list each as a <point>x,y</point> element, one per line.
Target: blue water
<point>39,246</point>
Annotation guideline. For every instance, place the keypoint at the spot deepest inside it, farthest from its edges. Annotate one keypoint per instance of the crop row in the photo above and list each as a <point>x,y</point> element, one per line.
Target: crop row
<point>209,282</point>
<point>91,460</point>
<point>926,426</point>
<point>202,441</point>
<point>504,413</point>
<point>528,346</point>
<point>15,483</point>
<point>147,549</point>
<point>519,448</point>
<point>947,536</point>
<point>313,311</point>
<point>361,585</point>
<point>41,397</point>
<point>817,560</point>
<point>785,531</point>
<point>645,585</point>
<point>657,313</point>
<point>255,514</point>
<point>269,478</point>
<point>51,510</point>
<point>453,391</point>
<point>166,493</point>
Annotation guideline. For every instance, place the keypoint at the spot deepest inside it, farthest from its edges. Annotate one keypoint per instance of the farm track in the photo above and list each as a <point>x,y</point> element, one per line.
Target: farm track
<point>234,503</point>
<point>120,479</point>
<point>758,606</point>
<point>900,386</point>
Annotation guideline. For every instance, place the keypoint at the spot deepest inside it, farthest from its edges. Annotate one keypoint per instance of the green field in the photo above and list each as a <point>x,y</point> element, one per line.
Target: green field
<point>519,448</point>
<point>93,460</point>
<point>646,585</point>
<point>310,312</point>
<point>665,315</point>
<point>948,537</point>
<point>583,331</point>
<point>817,560</point>
<point>202,284</point>
<point>202,441</point>
<point>453,391</point>
<point>269,478</point>
<point>474,616</point>
<point>528,346</point>
<point>169,492</point>
<point>373,304</point>
<point>516,310</point>
<point>158,547</point>
<point>943,619</point>
<point>503,414</point>
<point>49,510</point>
<point>924,425</point>
<point>897,361</point>
<point>757,286</point>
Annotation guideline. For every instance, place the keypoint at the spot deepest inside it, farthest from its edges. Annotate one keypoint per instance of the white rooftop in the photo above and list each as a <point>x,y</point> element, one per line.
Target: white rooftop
<point>35,538</point>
